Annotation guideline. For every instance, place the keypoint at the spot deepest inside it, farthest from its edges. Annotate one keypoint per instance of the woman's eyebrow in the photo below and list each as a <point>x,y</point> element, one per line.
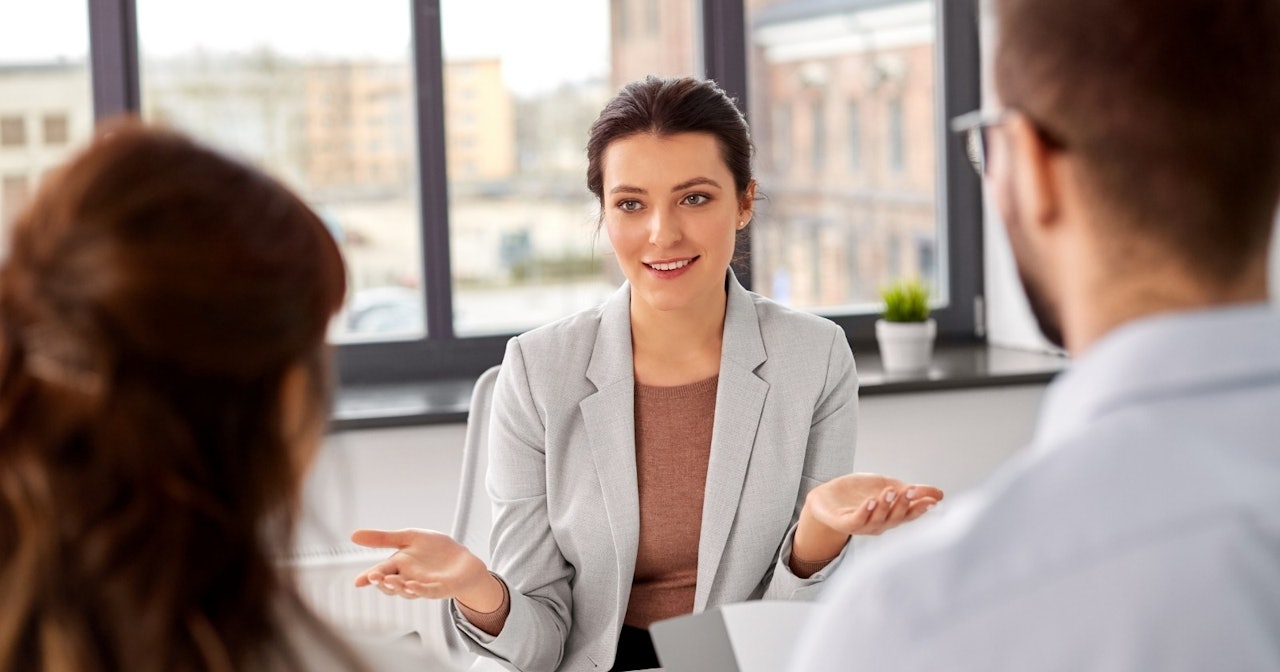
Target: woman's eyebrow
<point>694,182</point>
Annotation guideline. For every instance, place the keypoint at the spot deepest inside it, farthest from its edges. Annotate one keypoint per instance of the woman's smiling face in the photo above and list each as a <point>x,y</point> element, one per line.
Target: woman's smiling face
<point>672,214</point>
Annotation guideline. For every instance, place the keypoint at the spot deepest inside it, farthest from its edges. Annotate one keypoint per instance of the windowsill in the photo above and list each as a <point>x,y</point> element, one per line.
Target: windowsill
<point>960,367</point>
<point>954,367</point>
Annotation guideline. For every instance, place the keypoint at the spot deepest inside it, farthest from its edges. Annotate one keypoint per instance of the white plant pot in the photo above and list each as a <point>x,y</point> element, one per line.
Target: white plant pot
<point>906,346</point>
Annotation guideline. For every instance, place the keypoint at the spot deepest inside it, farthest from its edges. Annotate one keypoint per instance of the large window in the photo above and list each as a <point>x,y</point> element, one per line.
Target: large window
<point>832,233</point>
<point>517,107</point>
<point>443,141</point>
<point>327,109</point>
<point>45,102</point>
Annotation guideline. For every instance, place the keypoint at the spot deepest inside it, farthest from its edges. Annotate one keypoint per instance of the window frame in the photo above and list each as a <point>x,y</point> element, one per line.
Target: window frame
<point>115,75</point>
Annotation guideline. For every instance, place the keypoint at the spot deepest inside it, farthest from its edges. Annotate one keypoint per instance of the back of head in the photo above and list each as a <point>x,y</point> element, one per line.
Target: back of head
<point>1171,107</point>
<point>155,299</point>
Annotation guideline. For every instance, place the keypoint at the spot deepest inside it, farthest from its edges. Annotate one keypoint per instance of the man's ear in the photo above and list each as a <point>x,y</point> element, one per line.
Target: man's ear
<point>1037,174</point>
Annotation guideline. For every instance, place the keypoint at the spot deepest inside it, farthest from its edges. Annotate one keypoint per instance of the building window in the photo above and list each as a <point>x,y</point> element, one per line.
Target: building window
<point>926,259</point>
<point>55,129</point>
<point>897,143</point>
<point>852,263</point>
<point>893,256</point>
<point>817,113</point>
<point>853,143</point>
<point>622,19</point>
<point>782,138</point>
<point>13,131</point>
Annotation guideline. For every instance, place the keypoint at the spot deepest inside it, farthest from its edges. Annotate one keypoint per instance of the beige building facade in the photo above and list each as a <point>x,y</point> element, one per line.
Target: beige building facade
<point>653,37</point>
<point>359,124</point>
<point>46,112</point>
<point>480,138</point>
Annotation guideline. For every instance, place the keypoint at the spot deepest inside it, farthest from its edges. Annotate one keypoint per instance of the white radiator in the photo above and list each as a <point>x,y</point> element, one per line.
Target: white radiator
<point>326,578</point>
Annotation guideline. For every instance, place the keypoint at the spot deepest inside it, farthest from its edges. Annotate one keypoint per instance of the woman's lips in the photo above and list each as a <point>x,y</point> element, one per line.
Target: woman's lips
<point>670,269</point>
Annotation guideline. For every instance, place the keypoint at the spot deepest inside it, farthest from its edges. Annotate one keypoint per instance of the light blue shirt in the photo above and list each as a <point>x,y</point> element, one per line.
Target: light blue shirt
<point>1140,531</point>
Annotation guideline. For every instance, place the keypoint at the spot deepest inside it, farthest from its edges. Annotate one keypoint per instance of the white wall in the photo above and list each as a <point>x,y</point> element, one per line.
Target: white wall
<point>952,439</point>
<point>388,478</point>
<point>409,477</point>
<point>1009,319</point>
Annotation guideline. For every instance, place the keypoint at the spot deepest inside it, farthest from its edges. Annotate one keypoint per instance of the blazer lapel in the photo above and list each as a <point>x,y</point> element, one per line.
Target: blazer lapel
<point>740,397</point>
<point>609,417</point>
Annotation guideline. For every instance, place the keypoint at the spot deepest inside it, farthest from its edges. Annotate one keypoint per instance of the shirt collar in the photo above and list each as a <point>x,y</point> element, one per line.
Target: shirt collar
<point>1161,356</point>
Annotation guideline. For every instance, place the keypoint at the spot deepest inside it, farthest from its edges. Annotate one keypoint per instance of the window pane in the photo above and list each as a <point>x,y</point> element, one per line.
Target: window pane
<point>518,105</point>
<point>321,95</point>
<point>842,100</point>
<point>44,87</point>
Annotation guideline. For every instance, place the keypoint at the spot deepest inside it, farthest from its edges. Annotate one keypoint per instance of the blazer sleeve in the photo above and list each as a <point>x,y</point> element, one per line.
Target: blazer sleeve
<point>524,550</point>
<point>833,432</point>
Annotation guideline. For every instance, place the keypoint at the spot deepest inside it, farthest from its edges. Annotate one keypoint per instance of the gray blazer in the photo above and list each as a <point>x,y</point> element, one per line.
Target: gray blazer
<point>562,472</point>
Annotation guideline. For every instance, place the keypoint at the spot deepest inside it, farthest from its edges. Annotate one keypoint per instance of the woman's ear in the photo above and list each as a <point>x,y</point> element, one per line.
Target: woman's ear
<point>747,206</point>
<point>302,425</point>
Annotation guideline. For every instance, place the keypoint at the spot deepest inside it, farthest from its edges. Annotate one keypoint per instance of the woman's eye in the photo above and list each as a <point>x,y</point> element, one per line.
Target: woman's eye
<point>696,199</point>
<point>629,205</point>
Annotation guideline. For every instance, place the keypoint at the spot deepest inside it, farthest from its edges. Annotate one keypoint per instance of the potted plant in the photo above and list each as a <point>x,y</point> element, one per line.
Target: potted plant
<point>905,332</point>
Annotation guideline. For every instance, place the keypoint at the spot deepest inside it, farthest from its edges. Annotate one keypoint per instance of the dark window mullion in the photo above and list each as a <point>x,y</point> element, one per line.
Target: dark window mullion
<point>959,190</point>
<point>437,277</point>
<point>724,58</point>
<point>113,57</point>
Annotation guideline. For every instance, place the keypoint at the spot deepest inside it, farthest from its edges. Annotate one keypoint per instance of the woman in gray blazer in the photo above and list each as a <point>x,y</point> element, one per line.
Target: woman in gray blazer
<point>596,469</point>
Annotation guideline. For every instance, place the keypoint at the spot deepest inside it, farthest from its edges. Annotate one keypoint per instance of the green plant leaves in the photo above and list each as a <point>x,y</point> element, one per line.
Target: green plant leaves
<point>905,301</point>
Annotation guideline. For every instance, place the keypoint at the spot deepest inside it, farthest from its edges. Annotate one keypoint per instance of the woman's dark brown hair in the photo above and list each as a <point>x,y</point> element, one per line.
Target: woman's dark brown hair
<point>155,297</point>
<point>667,106</point>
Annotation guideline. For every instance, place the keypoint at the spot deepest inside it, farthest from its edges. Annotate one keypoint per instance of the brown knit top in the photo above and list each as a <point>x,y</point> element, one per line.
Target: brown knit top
<point>673,446</point>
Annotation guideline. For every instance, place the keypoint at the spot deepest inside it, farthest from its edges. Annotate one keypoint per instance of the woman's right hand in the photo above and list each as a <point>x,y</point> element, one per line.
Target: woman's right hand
<point>429,564</point>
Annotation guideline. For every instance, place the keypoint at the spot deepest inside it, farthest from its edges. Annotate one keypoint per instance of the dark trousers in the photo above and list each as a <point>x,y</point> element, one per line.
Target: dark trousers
<point>635,650</point>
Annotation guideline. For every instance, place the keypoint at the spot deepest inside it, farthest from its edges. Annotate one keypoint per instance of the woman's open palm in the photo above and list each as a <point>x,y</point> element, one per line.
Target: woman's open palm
<point>869,504</point>
<point>424,564</point>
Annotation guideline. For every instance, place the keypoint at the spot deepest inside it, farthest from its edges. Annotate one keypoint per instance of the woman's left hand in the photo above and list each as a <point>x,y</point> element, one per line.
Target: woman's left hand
<point>856,504</point>
<point>868,503</point>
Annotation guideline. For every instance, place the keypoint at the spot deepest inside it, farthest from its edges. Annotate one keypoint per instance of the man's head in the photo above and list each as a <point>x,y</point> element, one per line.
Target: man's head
<point>1143,149</point>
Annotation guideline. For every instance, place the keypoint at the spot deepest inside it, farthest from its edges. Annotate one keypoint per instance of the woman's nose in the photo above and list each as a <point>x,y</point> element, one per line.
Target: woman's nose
<point>664,229</point>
